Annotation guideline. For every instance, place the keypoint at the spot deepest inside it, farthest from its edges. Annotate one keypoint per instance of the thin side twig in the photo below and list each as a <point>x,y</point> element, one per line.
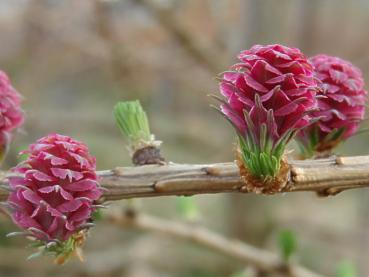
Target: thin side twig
<point>250,255</point>
<point>207,57</point>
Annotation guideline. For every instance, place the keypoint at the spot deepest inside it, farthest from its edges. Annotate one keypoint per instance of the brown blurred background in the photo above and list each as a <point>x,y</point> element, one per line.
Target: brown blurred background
<point>73,60</point>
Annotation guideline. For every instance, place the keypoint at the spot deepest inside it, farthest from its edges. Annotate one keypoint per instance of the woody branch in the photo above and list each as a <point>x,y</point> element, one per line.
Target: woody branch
<point>324,176</point>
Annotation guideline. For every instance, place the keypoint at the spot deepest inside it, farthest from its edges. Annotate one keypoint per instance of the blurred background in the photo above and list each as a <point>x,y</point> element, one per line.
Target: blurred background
<point>73,60</point>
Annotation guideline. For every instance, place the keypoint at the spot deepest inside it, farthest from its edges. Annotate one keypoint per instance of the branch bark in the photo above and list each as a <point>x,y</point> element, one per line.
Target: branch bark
<point>250,255</point>
<point>324,176</point>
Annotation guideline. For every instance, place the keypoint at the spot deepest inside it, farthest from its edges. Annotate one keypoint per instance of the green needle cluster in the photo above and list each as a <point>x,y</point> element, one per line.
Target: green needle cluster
<point>132,121</point>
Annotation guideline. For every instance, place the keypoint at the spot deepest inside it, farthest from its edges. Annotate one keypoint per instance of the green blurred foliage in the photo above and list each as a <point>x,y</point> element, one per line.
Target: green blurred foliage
<point>287,244</point>
<point>239,274</point>
<point>346,269</point>
<point>132,121</point>
<point>187,208</point>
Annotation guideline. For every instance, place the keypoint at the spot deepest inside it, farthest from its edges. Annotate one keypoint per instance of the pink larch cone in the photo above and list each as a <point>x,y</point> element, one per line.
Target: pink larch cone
<point>11,115</point>
<point>341,104</point>
<point>270,95</point>
<point>55,195</point>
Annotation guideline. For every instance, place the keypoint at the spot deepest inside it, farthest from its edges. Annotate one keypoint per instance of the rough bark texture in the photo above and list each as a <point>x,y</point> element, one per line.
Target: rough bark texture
<point>325,176</point>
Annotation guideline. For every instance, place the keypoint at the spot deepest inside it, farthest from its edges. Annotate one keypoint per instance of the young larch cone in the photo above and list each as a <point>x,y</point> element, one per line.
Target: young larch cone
<point>11,115</point>
<point>54,196</point>
<point>270,95</point>
<point>341,105</point>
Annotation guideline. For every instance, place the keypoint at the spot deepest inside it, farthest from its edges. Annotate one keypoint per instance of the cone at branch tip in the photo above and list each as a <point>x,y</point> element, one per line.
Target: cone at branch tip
<point>54,195</point>
<point>341,105</point>
<point>269,95</point>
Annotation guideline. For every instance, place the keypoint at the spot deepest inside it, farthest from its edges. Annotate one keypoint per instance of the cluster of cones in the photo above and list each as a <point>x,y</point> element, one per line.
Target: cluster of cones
<point>275,93</point>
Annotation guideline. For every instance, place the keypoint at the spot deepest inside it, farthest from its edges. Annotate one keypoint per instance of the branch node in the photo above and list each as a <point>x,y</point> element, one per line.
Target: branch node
<point>147,155</point>
<point>118,171</point>
<point>267,186</point>
<point>244,189</point>
<point>211,170</point>
<point>328,192</point>
<point>339,160</point>
<point>295,172</point>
